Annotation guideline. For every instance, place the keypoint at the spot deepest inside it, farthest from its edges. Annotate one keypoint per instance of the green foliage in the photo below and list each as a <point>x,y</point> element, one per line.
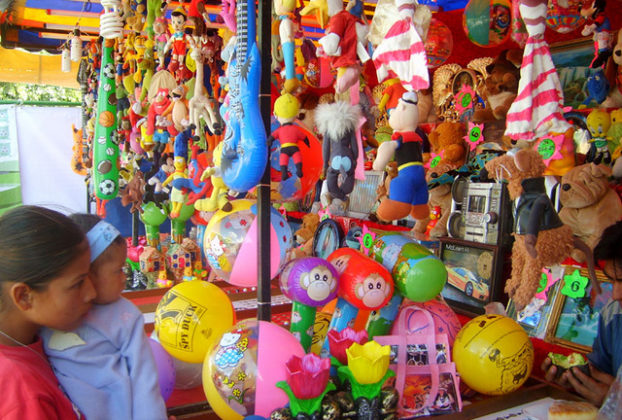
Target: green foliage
<point>27,92</point>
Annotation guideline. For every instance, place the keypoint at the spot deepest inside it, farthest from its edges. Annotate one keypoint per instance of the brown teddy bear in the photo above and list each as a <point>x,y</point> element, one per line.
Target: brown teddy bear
<point>541,238</point>
<point>304,235</point>
<point>589,204</point>
<point>501,86</point>
<point>448,138</point>
<point>439,188</point>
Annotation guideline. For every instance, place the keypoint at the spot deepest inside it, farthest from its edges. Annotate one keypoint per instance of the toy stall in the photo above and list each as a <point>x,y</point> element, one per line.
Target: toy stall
<point>372,209</point>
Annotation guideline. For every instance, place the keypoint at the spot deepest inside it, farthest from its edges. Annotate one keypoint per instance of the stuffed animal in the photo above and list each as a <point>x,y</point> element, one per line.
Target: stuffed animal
<point>614,100</point>
<point>597,87</point>
<point>337,123</point>
<point>589,204</point>
<point>598,123</point>
<point>439,188</point>
<point>541,238</point>
<point>447,139</point>
<point>304,235</point>
<point>409,192</point>
<point>501,86</point>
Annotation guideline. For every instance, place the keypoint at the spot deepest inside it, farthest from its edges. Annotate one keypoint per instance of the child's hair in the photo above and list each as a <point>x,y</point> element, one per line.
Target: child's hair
<point>36,245</point>
<point>610,245</point>
<point>86,222</point>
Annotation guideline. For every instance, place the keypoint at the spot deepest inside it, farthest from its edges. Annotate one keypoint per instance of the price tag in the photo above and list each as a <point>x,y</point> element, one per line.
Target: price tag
<point>367,240</point>
<point>574,285</point>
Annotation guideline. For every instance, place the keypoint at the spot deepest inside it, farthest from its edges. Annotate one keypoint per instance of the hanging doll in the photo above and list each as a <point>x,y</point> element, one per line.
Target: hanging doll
<point>160,38</point>
<point>408,192</point>
<point>401,53</point>
<point>337,122</point>
<point>289,135</point>
<point>198,16</point>
<point>159,121</point>
<point>178,45</point>
<point>287,31</point>
<point>597,24</point>
<point>178,195</point>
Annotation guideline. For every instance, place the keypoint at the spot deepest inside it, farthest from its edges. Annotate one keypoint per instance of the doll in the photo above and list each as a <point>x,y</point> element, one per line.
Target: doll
<point>337,122</point>
<point>289,135</point>
<point>287,31</point>
<point>408,193</point>
<point>159,123</point>
<point>198,16</point>
<point>161,37</point>
<point>178,42</point>
<point>597,24</point>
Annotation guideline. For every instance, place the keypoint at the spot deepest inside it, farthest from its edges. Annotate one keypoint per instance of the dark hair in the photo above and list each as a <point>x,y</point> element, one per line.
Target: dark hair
<point>610,245</point>
<point>37,244</point>
<point>86,222</point>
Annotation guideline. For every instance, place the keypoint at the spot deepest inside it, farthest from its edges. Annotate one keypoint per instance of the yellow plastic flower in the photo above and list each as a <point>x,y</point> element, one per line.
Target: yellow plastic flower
<point>369,362</point>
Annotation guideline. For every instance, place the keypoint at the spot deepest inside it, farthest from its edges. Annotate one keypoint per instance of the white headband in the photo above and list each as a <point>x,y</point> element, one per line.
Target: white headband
<point>100,237</point>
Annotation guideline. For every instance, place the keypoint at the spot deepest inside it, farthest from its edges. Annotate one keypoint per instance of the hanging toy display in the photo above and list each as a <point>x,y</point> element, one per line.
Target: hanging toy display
<point>439,43</point>
<point>294,151</point>
<point>105,144</point>
<point>245,150</point>
<point>487,22</point>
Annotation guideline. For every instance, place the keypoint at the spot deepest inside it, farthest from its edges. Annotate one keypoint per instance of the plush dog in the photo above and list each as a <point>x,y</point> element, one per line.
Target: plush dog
<point>304,235</point>
<point>589,204</point>
<point>439,188</point>
<point>614,100</point>
<point>541,238</point>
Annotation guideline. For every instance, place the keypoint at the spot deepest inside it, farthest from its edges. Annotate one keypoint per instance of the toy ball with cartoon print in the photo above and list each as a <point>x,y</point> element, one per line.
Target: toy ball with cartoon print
<point>294,151</point>
<point>240,373</point>
<point>309,282</point>
<point>487,22</point>
<point>439,43</point>
<point>493,354</point>
<point>191,317</point>
<point>230,243</point>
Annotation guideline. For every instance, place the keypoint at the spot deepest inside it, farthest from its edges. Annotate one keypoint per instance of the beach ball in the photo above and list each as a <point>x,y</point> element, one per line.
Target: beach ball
<point>493,354</point>
<point>445,320</point>
<point>230,243</point>
<point>564,19</point>
<point>295,188</point>
<point>165,367</point>
<point>487,22</point>
<point>191,317</point>
<point>439,44</point>
<point>241,372</point>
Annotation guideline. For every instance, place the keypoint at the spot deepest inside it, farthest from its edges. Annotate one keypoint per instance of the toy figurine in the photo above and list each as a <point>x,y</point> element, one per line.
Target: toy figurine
<point>289,135</point>
<point>287,31</point>
<point>408,192</point>
<point>179,42</point>
<point>198,16</point>
<point>599,25</point>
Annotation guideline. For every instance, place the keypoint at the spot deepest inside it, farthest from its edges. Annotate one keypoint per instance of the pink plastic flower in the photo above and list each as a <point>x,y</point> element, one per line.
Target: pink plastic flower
<point>340,341</point>
<point>307,376</point>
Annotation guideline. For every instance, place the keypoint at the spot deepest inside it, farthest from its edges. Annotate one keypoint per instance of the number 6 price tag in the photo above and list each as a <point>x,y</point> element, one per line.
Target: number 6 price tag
<point>574,285</point>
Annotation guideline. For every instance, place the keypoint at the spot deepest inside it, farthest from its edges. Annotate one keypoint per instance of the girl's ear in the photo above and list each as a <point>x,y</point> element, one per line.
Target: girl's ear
<point>21,295</point>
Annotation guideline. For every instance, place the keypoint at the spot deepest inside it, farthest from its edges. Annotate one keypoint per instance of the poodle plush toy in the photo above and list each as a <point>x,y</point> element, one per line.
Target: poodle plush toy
<point>541,239</point>
<point>408,193</point>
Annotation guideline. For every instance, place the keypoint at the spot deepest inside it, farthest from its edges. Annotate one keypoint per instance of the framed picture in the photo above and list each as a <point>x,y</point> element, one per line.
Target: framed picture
<point>573,322</point>
<point>475,274</point>
<point>464,77</point>
<point>572,60</point>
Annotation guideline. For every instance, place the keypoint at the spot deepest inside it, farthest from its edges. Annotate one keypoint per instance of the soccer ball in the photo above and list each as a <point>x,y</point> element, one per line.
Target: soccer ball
<point>107,187</point>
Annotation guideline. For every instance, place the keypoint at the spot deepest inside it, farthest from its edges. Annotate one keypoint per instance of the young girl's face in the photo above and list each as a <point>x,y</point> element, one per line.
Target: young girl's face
<point>67,298</point>
<point>107,275</point>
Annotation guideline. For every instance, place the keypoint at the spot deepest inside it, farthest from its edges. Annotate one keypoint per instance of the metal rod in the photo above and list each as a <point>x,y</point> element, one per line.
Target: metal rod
<point>263,190</point>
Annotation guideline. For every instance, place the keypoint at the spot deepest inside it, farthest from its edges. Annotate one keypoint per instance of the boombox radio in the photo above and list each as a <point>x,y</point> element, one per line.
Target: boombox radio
<point>480,212</point>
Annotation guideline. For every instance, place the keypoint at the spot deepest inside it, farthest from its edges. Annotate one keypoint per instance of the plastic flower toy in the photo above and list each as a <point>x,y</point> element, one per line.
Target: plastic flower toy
<point>368,369</point>
<point>306,383</point>
<point>340,341</point>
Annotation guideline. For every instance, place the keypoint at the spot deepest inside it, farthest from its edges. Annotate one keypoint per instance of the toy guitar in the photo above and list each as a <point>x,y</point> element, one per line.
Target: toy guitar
<point>245,150</point>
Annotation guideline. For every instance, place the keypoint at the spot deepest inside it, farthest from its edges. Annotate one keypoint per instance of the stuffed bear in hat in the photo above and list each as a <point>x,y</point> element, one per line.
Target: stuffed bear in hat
<point>408,193</point>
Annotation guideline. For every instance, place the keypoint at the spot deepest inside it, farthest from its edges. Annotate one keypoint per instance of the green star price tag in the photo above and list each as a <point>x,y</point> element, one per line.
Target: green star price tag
<point>544,280</point>
<point>434,162</point>
<point>475,134</point>
<point>546,148</point>
<point>466,100</point>
<point>368,241</point>
<point>574,285</point>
